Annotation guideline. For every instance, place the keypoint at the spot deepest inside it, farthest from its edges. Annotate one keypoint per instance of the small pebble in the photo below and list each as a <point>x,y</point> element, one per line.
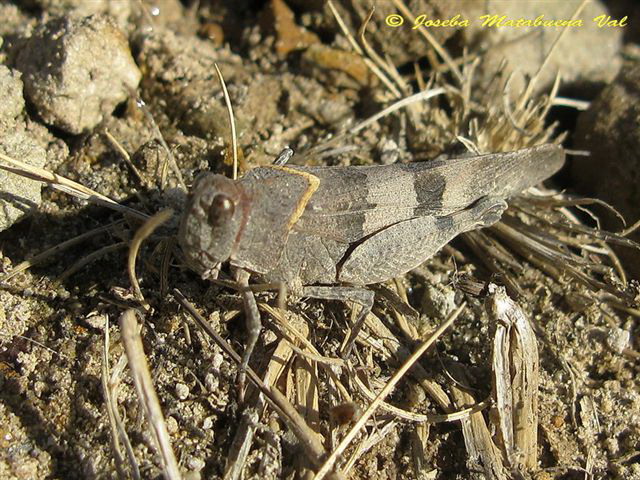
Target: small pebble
<point>182,391</point>
<point>196,464</point>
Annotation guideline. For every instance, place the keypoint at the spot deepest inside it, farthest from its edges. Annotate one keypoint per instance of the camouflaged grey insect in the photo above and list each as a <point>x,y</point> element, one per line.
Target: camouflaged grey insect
<point>327,232</point>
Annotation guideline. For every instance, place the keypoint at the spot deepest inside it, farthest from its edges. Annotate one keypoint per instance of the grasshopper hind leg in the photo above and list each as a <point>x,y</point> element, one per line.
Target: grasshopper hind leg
<point>403,246</point>
<point>361,296</point>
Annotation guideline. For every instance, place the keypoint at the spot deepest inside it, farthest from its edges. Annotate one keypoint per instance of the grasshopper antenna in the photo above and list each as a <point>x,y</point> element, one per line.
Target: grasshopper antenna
<point>232,122</point>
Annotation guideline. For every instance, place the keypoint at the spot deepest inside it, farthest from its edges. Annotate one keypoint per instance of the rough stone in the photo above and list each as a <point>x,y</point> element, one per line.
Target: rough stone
<point>119,10</point>
<point>586,55</point>
<point>277,16</point>
<point>177,70</point>
<point>13,20</point>
<point>609,131</point>
<point>337,67</point>
<point>25,141</point>
<point>19,195</point>
<point>77,71</point>
<point>11,94</point>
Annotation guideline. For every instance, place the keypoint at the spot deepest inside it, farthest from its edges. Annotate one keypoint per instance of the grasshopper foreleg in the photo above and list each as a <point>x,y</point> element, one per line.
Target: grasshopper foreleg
<point>253,325</point>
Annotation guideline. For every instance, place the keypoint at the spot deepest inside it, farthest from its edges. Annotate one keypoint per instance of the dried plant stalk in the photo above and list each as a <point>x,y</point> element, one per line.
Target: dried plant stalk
<point>515,380</point>
<point>65,185</point>
<point>483,453</point>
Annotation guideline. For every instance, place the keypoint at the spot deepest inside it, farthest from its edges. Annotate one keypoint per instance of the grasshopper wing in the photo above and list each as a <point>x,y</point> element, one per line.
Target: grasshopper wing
<point>352,203</point>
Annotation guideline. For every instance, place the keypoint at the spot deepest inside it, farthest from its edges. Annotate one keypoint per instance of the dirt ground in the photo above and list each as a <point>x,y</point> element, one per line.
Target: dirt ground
<point>294,80</point>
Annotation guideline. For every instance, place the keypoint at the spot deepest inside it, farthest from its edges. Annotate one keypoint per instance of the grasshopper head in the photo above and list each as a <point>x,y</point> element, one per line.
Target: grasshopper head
<point>211,223</point>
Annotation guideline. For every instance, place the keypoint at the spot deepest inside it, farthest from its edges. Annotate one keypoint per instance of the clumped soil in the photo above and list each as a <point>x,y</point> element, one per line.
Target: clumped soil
<point>287,89</point>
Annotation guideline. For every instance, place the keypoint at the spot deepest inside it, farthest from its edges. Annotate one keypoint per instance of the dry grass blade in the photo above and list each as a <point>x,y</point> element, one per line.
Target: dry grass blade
<point>322,149</point>
<point>243,440</point>
<point>396,106</point>
<point>34,342</point>
<point>118,433</point>
<point>581,105</point>
<point>388,388</point>
<point>372,66</point>
<point>590,429</point>
<point>538,246</point>
<point>291,334</point>
<point>171,160</point>
<point>65,185</point>
<point>306,384</point>
<point>101,252</point>
<point>400,5</point>
<point>392,347</point>
<point>388,69</point>
<point>631,229</point>
<point>596,234</point>
<point>294,335</point>
<point>419,417</point>
<point>377,436</point>
<point>515,376</point>
<point>506,105</point>
<point>125,156</point>
<point>493,255</point>
<point>553,259</point>
<point>532,83</point>
<point>569,201</point>
<point>146,393</point>
<point>307,437</point>
<point>141,234</point>
<point>61,247</point>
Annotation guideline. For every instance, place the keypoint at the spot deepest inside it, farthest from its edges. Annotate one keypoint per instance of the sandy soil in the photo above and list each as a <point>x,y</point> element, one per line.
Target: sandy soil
<point>293,81</point>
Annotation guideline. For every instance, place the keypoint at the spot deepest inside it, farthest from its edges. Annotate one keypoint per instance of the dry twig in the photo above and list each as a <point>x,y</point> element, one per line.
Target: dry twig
<point>146,393</point>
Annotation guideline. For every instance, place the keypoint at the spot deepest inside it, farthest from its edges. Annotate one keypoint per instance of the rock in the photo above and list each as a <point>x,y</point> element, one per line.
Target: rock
<point>119,10</point>
<point>337,67</point>
<point>77,71</point>
<point>171,15</point>
<point>609,130</point>
<point>11,94</point>
<point>14,26</point>
<point>438,301</point>
<point>586,55</point>
<point>24,140</point>
<point>278,17</point>
<point>14,20</point>
<point>19,195</point>
<point>177,70</point>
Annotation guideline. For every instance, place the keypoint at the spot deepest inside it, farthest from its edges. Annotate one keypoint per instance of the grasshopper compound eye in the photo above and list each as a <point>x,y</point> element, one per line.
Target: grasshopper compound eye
<point>221,210</point>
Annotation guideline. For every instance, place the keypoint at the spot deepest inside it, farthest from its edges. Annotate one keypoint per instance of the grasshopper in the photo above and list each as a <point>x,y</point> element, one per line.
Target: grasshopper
<point>328,232</point>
